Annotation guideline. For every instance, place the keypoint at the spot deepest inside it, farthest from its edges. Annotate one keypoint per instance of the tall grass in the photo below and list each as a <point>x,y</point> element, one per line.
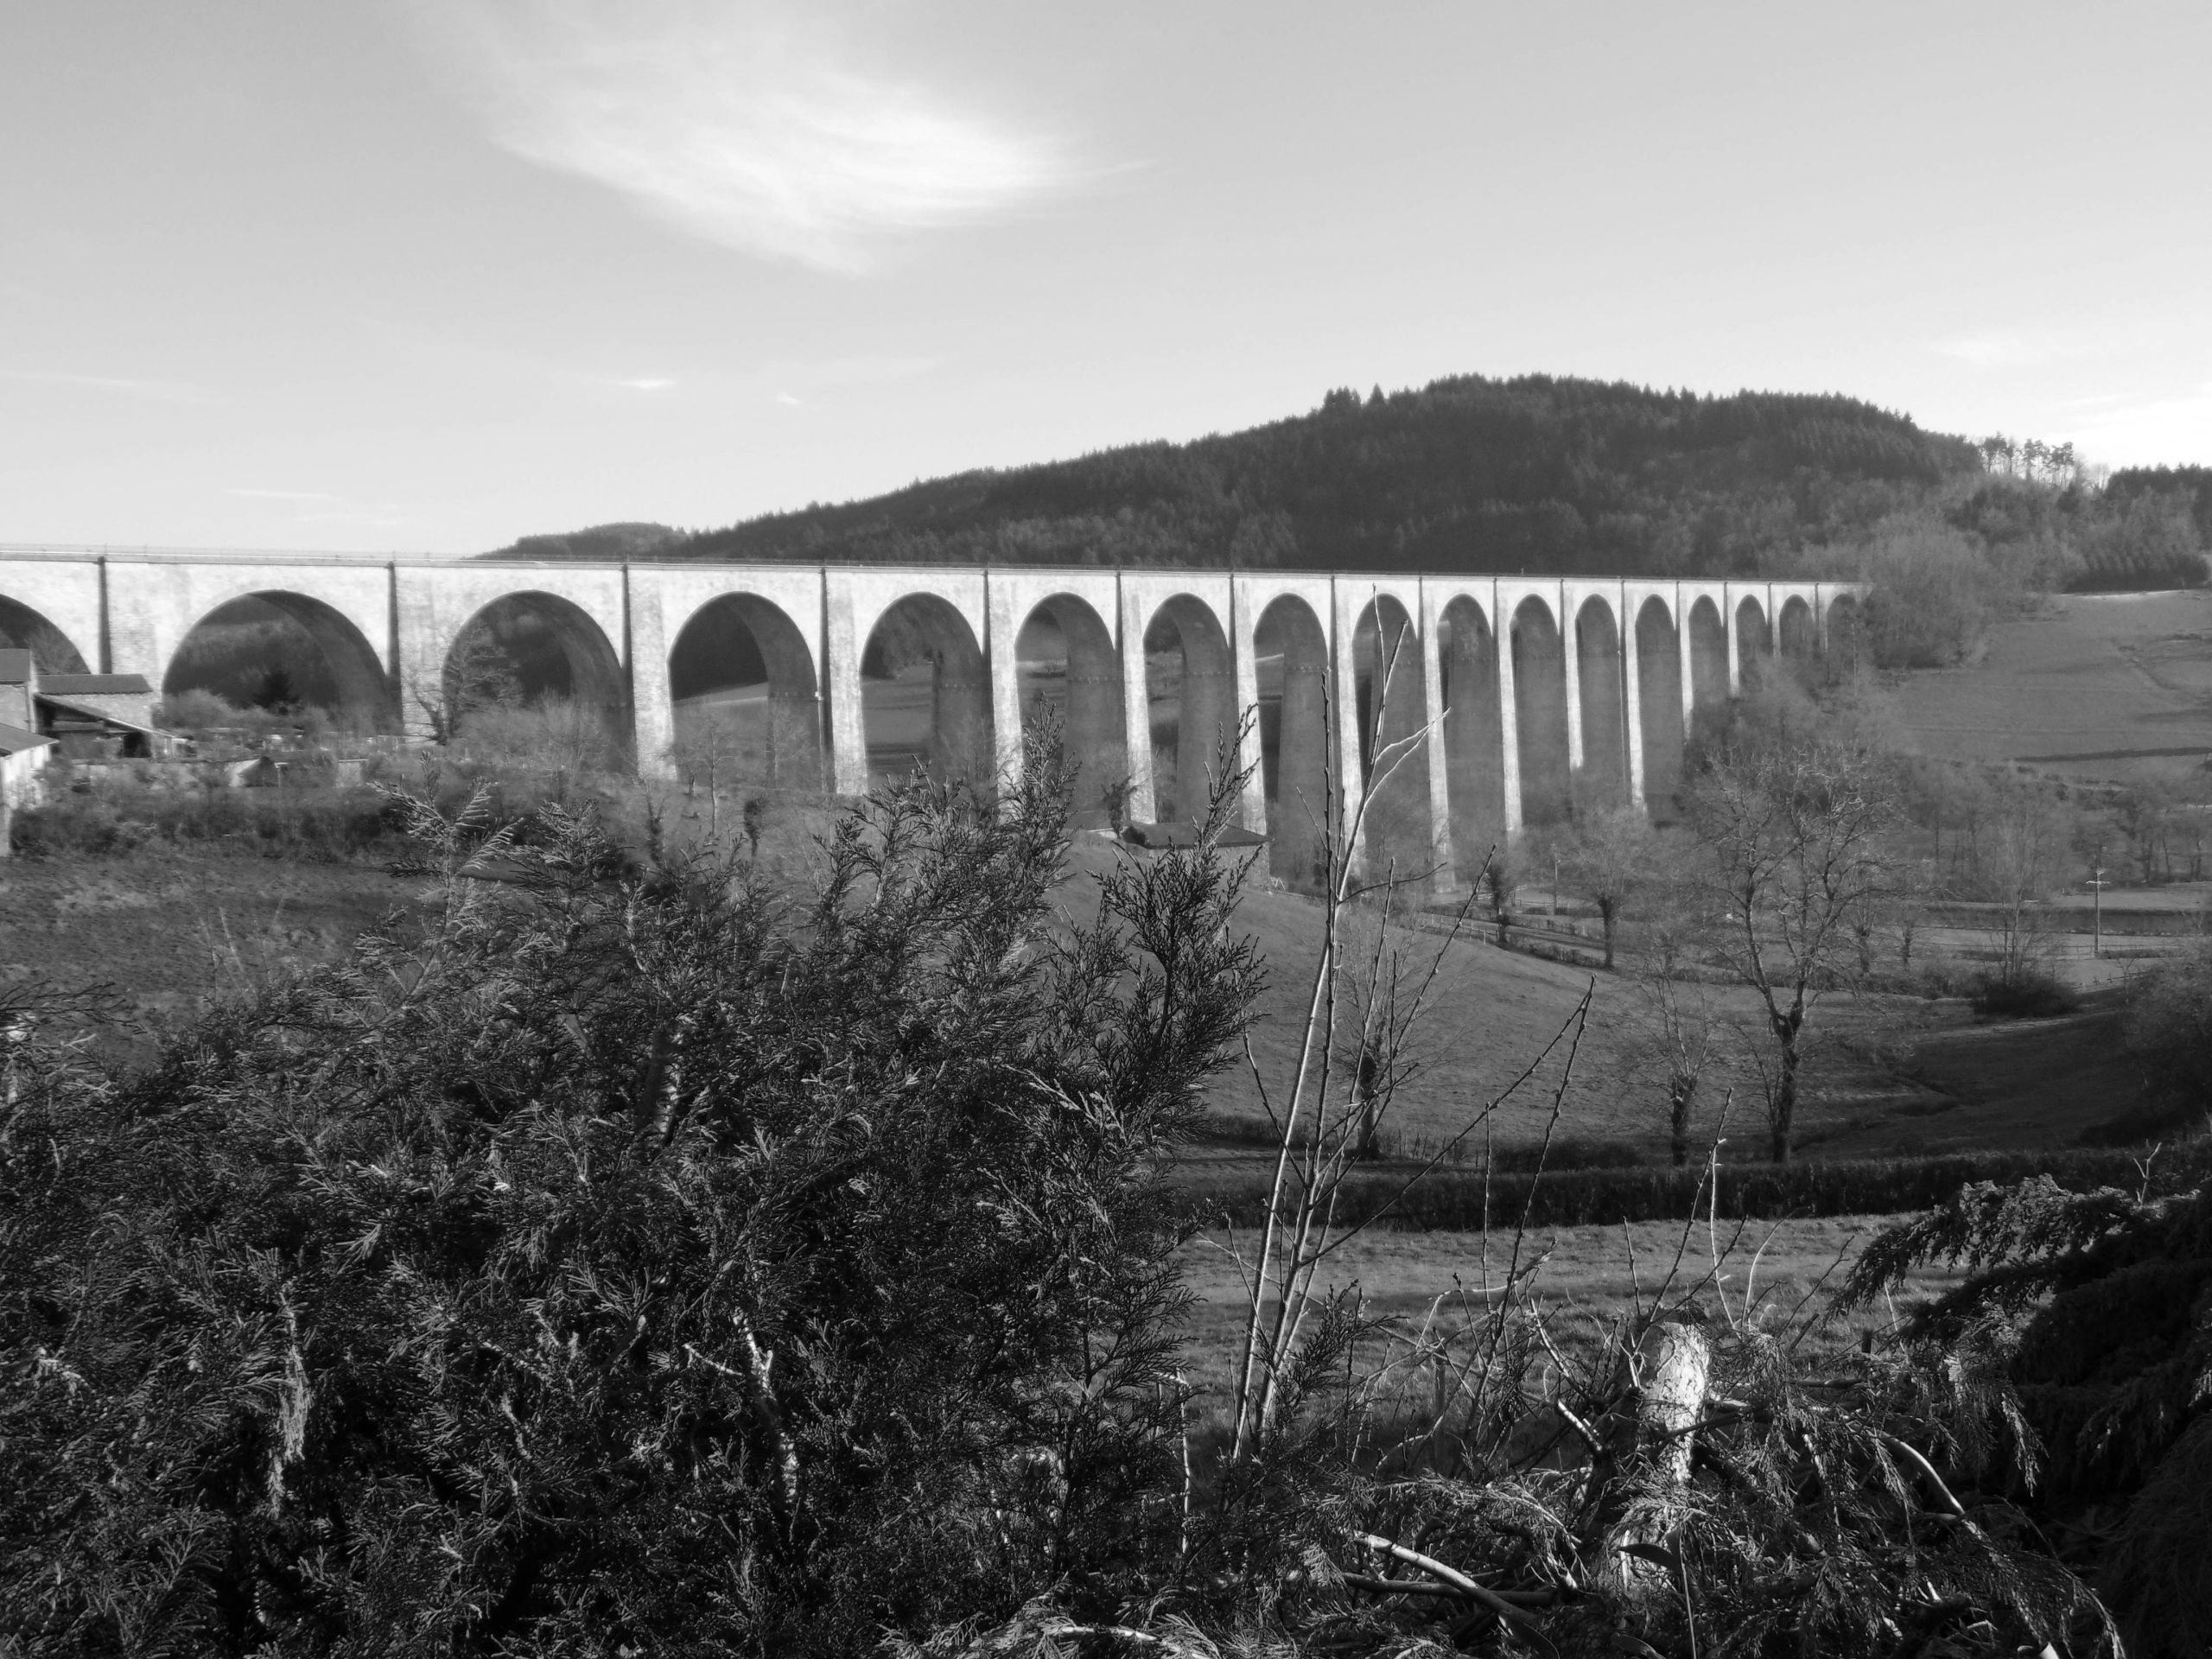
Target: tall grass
<point>1463,1200</point>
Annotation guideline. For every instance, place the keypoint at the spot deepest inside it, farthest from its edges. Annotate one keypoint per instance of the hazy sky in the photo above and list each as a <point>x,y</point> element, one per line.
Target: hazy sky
<point>430,274</point>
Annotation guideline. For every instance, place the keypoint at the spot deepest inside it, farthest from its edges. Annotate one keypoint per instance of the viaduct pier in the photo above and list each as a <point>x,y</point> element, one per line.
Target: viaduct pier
<point>1535,693</point>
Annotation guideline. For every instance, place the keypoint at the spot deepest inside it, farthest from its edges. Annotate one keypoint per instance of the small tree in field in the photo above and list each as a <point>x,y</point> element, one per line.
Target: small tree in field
<point>477,674</point>
<point>2142,814</point>
<point>1609,855</point>
<point>709,758</point>
<point>1678,1023</point>
<point>1796,815</point>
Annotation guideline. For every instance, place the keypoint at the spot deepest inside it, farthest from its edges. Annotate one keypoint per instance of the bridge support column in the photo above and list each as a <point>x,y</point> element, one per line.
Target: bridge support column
<point>841,688</point>
<point>1509,728</point>
<point>1686,659</point>
<point>419,648</point>
<point>1244,656</point>
<point>1136,702</point>
<point>652,705</point>
<point>1446,880</point>
<point>1570,645</point>
<point>1344,735</point>
<point>1632,703</point>
<point>1002,662</point>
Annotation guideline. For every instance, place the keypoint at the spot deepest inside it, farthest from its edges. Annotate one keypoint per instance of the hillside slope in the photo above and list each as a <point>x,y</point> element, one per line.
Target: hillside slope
<point>1537,473</point>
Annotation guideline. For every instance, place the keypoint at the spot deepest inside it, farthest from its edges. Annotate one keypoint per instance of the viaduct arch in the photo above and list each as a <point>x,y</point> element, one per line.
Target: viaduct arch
<point>1516,700</point>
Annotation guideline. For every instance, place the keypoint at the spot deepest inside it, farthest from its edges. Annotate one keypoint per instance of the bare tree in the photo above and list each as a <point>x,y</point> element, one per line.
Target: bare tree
<point>562,741</point>
<point>2143,813</point>
<point>708,757</point>
<point>1678,1021</point>
<point>477,674</point>
<point>2026,855</point>
<point>1374,979</point>
<point>1609,855</point>
<point>1796,819</point>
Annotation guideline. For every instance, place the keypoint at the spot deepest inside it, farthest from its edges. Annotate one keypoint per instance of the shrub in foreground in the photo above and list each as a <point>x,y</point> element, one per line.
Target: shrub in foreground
<point>627,1266</point>
<point>2097,1307</point>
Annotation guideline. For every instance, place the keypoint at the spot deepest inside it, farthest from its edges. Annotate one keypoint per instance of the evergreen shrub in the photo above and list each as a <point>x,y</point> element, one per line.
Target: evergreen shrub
<point>631,1264</point>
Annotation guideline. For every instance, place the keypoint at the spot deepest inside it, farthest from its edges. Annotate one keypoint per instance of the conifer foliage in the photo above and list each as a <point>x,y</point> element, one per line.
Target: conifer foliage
<point>631,1263</point>
<point>2098,1306</point>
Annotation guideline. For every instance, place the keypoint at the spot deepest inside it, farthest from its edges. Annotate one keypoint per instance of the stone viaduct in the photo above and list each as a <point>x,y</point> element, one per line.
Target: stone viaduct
<point>1602,684</point>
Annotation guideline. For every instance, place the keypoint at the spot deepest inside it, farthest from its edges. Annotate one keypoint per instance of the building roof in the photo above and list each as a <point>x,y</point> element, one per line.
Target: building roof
<point>94,685</point>
<point>15,666</point>
<point>87,717</point>
<point>13,739</point>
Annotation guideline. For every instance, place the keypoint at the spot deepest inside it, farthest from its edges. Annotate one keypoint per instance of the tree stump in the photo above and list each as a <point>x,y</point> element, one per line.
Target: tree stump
<point>1641,1483</point>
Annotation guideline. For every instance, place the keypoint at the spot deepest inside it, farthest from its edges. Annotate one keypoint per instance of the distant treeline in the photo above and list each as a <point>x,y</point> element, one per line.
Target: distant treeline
<point>1537,473</point>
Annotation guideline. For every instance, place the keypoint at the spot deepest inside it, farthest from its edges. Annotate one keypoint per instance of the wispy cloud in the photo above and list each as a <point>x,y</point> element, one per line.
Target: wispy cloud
<point>747,125</point>
<point>649,383</point>
<point>1999,351</point>
<point>279,495</point>
<point>164,391</point>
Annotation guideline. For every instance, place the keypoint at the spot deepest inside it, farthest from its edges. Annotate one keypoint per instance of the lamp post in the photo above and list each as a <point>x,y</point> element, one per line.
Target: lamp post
<point>2097,905</point>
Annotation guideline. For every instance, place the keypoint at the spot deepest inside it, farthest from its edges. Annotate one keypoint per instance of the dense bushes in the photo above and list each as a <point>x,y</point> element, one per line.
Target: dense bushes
<point>2169,1033</point>
<point>310,821</point>
<point>2023,994</point>
<point>628,1265</point>
<point>1459,1199</point>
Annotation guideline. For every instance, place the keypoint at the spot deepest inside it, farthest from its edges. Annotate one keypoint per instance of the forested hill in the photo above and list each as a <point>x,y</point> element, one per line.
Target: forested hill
<point>1537,473</point>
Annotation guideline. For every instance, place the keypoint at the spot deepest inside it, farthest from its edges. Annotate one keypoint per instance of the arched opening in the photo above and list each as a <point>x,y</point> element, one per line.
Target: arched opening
<point>1708,667</point>
<point>22,628</point>
<point>1801,646</point>
<point>925,694</point>
<point>1600,681</point>
<point>282,653</point>
<point>1474,741</point>
<point>1659,711</point>
<point>745,697</point>
<point>1291,665</point>
<point>1754,644</point>
<point>1189,692</point>
<point>1539,711</point>
<point>1391,695</point>
<point>1065,657</point>
<point>533,670</point>
<point>1847,651</point>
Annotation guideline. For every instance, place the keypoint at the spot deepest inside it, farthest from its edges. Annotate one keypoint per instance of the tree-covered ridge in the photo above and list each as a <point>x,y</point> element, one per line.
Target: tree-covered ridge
<point>1537,473</point>
<point>2192,483</point>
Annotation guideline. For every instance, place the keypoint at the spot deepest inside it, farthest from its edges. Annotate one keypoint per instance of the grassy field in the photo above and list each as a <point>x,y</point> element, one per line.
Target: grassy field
<point>1584,1278</point>
<point>2103,685</point>
<point>174,925</point>
<point>174,928</point>
<point>1888,1075</point>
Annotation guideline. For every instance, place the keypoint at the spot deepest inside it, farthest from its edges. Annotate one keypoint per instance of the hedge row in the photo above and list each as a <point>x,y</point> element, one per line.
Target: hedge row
<point>1460,1200</point>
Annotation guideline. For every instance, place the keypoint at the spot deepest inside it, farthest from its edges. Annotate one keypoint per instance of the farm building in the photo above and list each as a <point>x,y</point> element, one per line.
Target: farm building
<point>89,716</point>
<point>23,757</point>
<point>95,717</point>
<point>18,678</point>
